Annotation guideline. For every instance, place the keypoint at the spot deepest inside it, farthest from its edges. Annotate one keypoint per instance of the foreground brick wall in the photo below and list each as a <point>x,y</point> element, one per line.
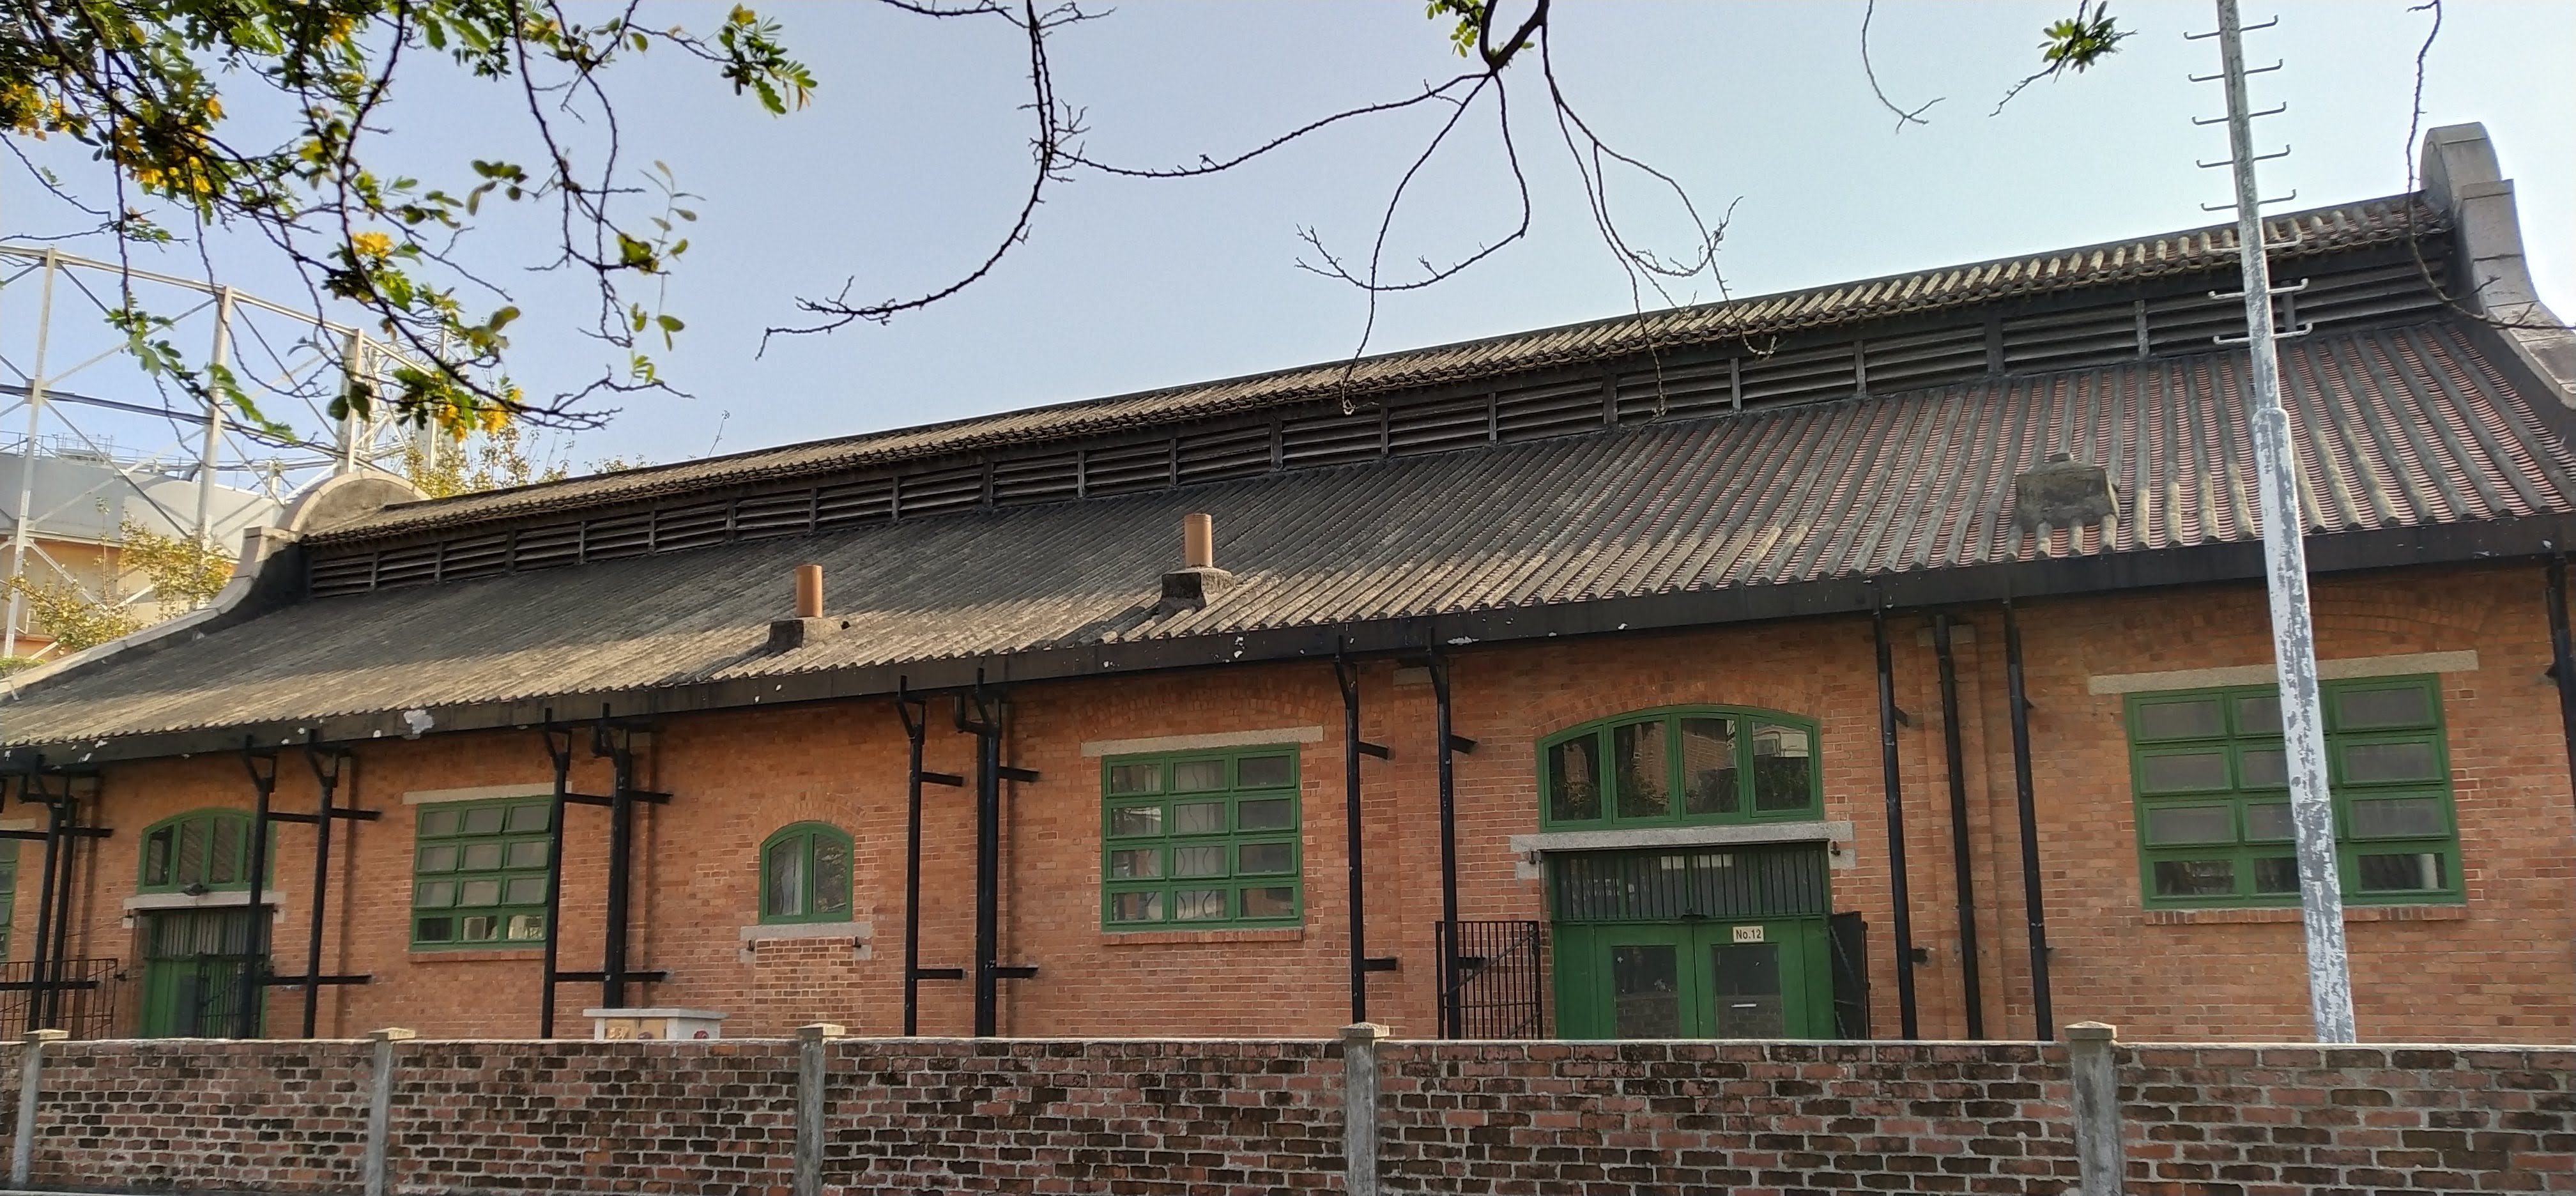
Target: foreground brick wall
<point>1257,1118</point>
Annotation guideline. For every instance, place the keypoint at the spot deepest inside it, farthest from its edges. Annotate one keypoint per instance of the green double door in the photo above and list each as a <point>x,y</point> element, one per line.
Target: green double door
<point>1697,980</point>
<point>193,966</point>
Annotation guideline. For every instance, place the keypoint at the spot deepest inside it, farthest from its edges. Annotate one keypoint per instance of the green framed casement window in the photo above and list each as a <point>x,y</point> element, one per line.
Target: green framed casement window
<point>479,874</point>
<point>199,851</point>
<point>1681,765</point>
<point>805,874</point>
<point>1203,839</point>
<point>2213,797</point>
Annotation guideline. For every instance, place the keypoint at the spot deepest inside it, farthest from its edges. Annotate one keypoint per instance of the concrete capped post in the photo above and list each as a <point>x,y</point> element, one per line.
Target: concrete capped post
<point>380,1106</point>
<point>1359,1107</point>
<point>2102,1166</point>
<point>811,1060</point>
<point>31,1070</point>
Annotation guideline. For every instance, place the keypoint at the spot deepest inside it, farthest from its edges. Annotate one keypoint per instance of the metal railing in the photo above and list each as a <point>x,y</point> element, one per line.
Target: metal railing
<point>80,995</point>
<point>1499,980</point>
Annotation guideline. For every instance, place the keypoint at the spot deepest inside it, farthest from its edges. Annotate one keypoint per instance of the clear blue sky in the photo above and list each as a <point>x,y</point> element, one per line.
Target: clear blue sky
<point>913,156</point>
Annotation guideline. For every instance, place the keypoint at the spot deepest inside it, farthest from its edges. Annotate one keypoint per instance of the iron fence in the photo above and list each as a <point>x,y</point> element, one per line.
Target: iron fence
<point>1496,989</point>
<point>79,996</point>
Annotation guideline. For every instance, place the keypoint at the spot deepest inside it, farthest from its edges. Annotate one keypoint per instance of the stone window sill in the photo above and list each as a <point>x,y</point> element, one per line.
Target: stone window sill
<point>2351,913</point>
<point>495,955</point>
<point>1248,934</point>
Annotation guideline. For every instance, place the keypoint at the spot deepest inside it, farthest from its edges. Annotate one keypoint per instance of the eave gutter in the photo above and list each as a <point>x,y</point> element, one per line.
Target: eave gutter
<point>2528,538</point>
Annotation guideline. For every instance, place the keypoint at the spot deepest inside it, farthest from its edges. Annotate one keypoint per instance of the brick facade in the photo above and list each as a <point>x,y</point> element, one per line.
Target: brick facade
<point>1246,1117</point>
<point>2497,968</point>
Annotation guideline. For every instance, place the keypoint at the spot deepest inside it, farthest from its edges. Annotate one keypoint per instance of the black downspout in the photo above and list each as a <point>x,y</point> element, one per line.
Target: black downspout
<point>2562,655</point>
<point>1897,895</point>
<point>37,998</point>
<point>621,839</point>
<point>253,979</point>
<point>560,751</point>
<point>329,781</point>
<point>63,883</point>
<point>1347,675</point>
<point>916,725</point>
<point>2035,909</point>
<point>1450,1013</point>
<point>988,859</point>
<point>1960,863</point>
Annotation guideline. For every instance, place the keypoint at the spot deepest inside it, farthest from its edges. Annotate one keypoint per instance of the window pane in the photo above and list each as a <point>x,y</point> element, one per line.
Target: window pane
<point>2258,714</point>
<point>1198,776</point>
<point>1142,863</point>
<point>438,859</point>
<point>436,894</point>
<point>2262,768</point>
<point>1750,1003</point>
<point>1574,781</point>
<point>2404,706</point>
<point>438,822</point>
<point>1264,772</point>
<point>528,854</point>
<point>1279,901</point>
<point>2191,824</point>
<point>1644,772</point>
<point>479,892</point>
<point>1784,761</point>
<point>2366,763</point>
<point>1267,814</point>
<point>224,851</point>
<point>1135,778</point>
<point>1198,818</point>
<point>2276,874</point>
<point>482,857</point>
<point>1708,766</point>
<point>527,927</point>
<point>1645,992</point>
<point>483,820</point>
<point>1198,905</point>
<point>831,874</point>
<point>2269,821</point>
<point>2195,878</point>
<point>527,818</point>
<point>2182,772</point>
<point>2399,873</point>
<point>785,896</point>
<point>526,890</point>
<point>2192,718</point>
<point>192,852</point>
<point>1259,858</point>
<point>1135,820</point>
<point>434,930</point>
<point>2398,818</point>
<point>1135,907</point>
<point>156,856</point>
<point>1198,861</point>
<point>481,928</point>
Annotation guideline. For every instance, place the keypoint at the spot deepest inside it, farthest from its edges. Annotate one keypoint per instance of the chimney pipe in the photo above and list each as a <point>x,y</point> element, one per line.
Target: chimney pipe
<point>1198,541</point>
<point>809,591</point>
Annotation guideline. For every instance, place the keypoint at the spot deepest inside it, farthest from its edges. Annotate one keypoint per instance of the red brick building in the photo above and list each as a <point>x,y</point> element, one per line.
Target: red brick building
<point>1671,660</point>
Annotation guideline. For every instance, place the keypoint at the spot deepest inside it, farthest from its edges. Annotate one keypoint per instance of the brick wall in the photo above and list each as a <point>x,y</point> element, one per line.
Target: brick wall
<point>1246,1117</point>
<point>2496,968</point>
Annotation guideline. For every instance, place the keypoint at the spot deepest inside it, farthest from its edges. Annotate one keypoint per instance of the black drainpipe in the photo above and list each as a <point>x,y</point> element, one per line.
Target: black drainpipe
<point>254,974</point>
<point>559,751</point>
<point>1347,675</point>
<point>990,772</point>
<point>916,725</point>
<point>1449,945</point>
<point>2034,908</point>
<point>40,997</point>
<point>1956,758</point>
<point>1897,896</point>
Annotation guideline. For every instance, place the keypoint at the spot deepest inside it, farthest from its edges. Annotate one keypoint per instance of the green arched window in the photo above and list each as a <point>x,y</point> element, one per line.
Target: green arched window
<point>805,874</point>
<point>1681,765</point>
<point>201,850</point>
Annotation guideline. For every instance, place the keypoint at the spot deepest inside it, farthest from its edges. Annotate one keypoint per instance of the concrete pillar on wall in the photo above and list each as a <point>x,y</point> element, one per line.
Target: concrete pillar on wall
<point>2100,1161</point>
<point>1359,1107</point>
<point>31,1071</point>
<point>813,1058</point>
<point>380,1107</point>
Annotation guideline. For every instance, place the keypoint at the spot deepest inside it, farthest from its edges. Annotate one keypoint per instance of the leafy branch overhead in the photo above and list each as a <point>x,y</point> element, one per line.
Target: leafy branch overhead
<point>138,83</point>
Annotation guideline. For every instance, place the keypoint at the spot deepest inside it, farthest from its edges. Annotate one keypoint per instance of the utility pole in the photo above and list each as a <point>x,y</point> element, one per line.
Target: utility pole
<point>22,526</point>
<point>2285,570</point>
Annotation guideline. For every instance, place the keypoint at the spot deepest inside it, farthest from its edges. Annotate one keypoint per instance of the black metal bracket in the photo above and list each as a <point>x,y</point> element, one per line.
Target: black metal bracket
<point>655,976</point>
<point>939,973</point>
<point>949,779</point>
<point>302,982</point>
<point>1462,745</point>
<point>69,832</point>
<point>1010,773</point>
<point>613,739</point>
<point>1379,750</point>
<point>1378,963</point>
<point>1015,971</point>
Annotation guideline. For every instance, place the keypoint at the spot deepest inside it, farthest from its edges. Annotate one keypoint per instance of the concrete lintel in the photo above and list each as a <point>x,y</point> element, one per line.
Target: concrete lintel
<point>424,797</point>
<point>1197,743</point>
<point>1836,833</point>
<point>2403,665</point>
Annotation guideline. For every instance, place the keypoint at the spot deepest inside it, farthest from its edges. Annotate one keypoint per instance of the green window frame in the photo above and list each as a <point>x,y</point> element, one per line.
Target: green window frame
<point>203,851</point>
<point>2212,795</point>
<point>805,875</point>
<point>479,874</point>
<point>1197,840</point>
<point>1682,766</point>
<point>8,892</point>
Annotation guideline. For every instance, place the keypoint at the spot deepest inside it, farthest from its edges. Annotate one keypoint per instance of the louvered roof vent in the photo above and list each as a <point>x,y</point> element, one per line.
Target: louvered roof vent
<point>2063,492</point>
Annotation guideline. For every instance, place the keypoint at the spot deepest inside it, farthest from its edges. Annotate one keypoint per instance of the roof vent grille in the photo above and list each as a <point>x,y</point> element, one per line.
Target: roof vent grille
<point>762,516</point>
<point>1331,438</point>
<point>1037,479</point>
<point>547,547</point>
<point>1217,456</point>
<point>871,501</point>
<point>618,536</point>
<point>411,564</point>
<point>1127,468</point>
<point>958,489</point>
<point>355,574</point>
<point>1438,427</point>
<point>480,556</point>
<point>1544,411</point>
